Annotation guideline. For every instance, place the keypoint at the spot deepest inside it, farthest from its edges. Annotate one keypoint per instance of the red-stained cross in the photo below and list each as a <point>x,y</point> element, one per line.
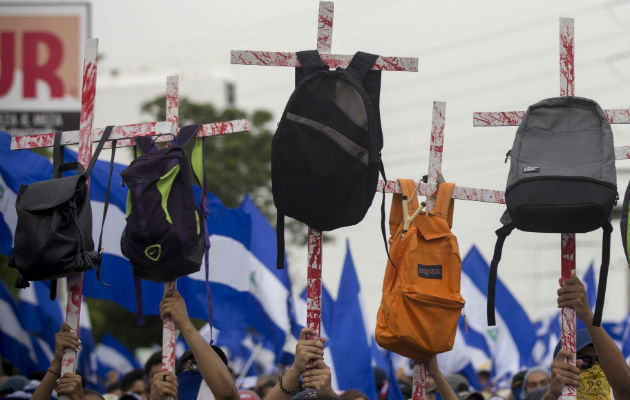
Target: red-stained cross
<point>124,134</point>
<point>513,118</point>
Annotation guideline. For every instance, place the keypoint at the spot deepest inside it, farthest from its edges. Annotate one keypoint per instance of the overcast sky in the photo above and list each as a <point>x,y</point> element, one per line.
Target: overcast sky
<point>478,55</point>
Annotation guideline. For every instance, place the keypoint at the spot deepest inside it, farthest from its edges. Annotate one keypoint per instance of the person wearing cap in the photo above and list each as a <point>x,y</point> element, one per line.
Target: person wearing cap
<point>536,383</point>
<point>207,361</point>
<point>517,383</point>
<point>600,365</point>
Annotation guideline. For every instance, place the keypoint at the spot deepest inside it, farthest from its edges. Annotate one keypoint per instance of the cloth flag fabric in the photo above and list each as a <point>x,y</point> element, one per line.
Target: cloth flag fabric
<point>510,342</point>
<point>16,343</point>
<point>248,291</point>
<point>113,355</point>
<point>393,390</point>
<point>350,340</point>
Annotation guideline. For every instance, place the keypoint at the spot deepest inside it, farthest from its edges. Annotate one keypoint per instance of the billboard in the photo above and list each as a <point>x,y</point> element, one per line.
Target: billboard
<point>41,59</point>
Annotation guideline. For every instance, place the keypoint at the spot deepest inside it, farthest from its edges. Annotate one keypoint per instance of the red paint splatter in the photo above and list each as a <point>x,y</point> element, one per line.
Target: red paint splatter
<point>567,67</point>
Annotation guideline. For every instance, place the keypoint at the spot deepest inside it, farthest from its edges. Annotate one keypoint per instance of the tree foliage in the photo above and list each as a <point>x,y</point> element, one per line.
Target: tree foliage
<point>235,164</point>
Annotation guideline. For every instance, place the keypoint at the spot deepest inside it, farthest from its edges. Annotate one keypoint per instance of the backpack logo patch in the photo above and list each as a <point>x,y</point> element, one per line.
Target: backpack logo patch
<point>430,271</point>
<point>153,252</point>
<point>531,170</point>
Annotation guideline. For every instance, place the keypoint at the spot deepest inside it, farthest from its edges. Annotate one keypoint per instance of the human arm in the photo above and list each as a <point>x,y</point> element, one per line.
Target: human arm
<point>306,352</point>
<point>562,374</point>
<point>70,384</point>
<point>318,378</point>
<point>65,338</point>
<point>212,369</point>
<point>573,294</point>
<point>443,387</point>
<point>163,383</point>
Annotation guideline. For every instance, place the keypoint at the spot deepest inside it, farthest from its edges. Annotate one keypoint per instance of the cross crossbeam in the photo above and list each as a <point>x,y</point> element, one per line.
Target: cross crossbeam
<point>84,137</point>
<point>514,118</point>
<point>289,59</point>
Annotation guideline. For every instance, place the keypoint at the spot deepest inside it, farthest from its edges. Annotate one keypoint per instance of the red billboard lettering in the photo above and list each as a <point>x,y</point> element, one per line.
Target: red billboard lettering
<point>46,71</point>
<point>7,55</point>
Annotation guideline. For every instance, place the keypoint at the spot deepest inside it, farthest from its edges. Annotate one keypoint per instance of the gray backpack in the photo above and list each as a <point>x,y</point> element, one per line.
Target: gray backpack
<point>562,179</point>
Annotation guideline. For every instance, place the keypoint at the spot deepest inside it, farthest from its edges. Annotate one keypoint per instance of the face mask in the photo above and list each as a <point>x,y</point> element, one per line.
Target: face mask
<point>593,384</point>
<point>536,394</point>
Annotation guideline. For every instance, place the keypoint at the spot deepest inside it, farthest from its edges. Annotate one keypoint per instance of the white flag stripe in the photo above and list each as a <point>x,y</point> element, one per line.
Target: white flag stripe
<point>12,327</point>
<point>112,358</point>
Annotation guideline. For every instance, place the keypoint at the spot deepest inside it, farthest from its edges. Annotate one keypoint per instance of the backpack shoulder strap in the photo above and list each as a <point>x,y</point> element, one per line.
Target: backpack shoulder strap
<point>395,213</point>
<point>186,133</point>
<point>57,155</point>
<point>444,204</point>
<point>502,233</point>
<point>603,275</point>
<point>310,61</point>
<point>361,64</point>
<point>101,143</point>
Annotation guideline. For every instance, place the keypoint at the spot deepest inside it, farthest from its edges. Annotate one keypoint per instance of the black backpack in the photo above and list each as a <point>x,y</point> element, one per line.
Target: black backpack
<point>166,235</point>
<point>53,236</point>
<point>326,152</point>
<point>562,179</point>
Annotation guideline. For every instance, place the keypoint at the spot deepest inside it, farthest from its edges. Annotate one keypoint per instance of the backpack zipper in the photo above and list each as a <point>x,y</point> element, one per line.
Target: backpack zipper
<point>347,145</point>
<point>508,155</point>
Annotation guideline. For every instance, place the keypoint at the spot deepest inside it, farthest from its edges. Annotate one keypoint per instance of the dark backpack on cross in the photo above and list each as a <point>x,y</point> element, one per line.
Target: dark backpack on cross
<point>562,179</point>
<point>166,235</point>
<point>326,152</point>
<point>53,236</point>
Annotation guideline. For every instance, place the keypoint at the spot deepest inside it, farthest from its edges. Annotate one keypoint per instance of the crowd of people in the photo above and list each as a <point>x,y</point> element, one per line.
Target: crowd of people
<point>202,372</point>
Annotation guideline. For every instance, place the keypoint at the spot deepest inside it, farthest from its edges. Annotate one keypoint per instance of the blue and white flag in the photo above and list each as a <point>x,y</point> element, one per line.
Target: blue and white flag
<point>87,361</point>
<point>393,390</point>
<point>247,290</point>
<point>465,358</point>
<point>15,342</point>
<point>591,291</point>
<point>510,342</point>
<point>41,316</point>
<point>625,339</point>
<point>113,355</point>
<point>350,339</point>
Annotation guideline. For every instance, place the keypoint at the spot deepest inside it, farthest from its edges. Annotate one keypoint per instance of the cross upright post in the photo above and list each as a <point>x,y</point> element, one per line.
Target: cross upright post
<point>514,118</point>
<point>289,59</point>
<point>164,132</point>
<point>429,189</point>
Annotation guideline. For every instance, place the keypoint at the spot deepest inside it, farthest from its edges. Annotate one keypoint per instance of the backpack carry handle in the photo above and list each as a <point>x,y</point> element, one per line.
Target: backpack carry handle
<point>311,61</point>
<point>145,144</point>
<point>186,134</point>
<point>361,64</point>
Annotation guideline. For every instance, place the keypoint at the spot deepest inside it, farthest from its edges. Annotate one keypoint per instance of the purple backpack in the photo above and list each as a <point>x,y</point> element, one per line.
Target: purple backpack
<point>166,235</point>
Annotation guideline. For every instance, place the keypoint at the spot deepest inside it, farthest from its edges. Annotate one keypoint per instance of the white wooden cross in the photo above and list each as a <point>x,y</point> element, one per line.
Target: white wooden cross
<point>218,128</point>
<point>289,59</point>
<point>429,189</point>
<point>124,134</point>
<point>514,118</point>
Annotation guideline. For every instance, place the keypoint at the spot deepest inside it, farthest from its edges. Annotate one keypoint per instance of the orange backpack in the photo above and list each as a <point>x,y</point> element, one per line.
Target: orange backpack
<point>421,302</point>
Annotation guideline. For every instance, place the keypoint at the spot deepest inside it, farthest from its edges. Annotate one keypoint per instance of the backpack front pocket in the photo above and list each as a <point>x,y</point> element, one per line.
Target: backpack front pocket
<point>147,211</point>
<point>425,323</point>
